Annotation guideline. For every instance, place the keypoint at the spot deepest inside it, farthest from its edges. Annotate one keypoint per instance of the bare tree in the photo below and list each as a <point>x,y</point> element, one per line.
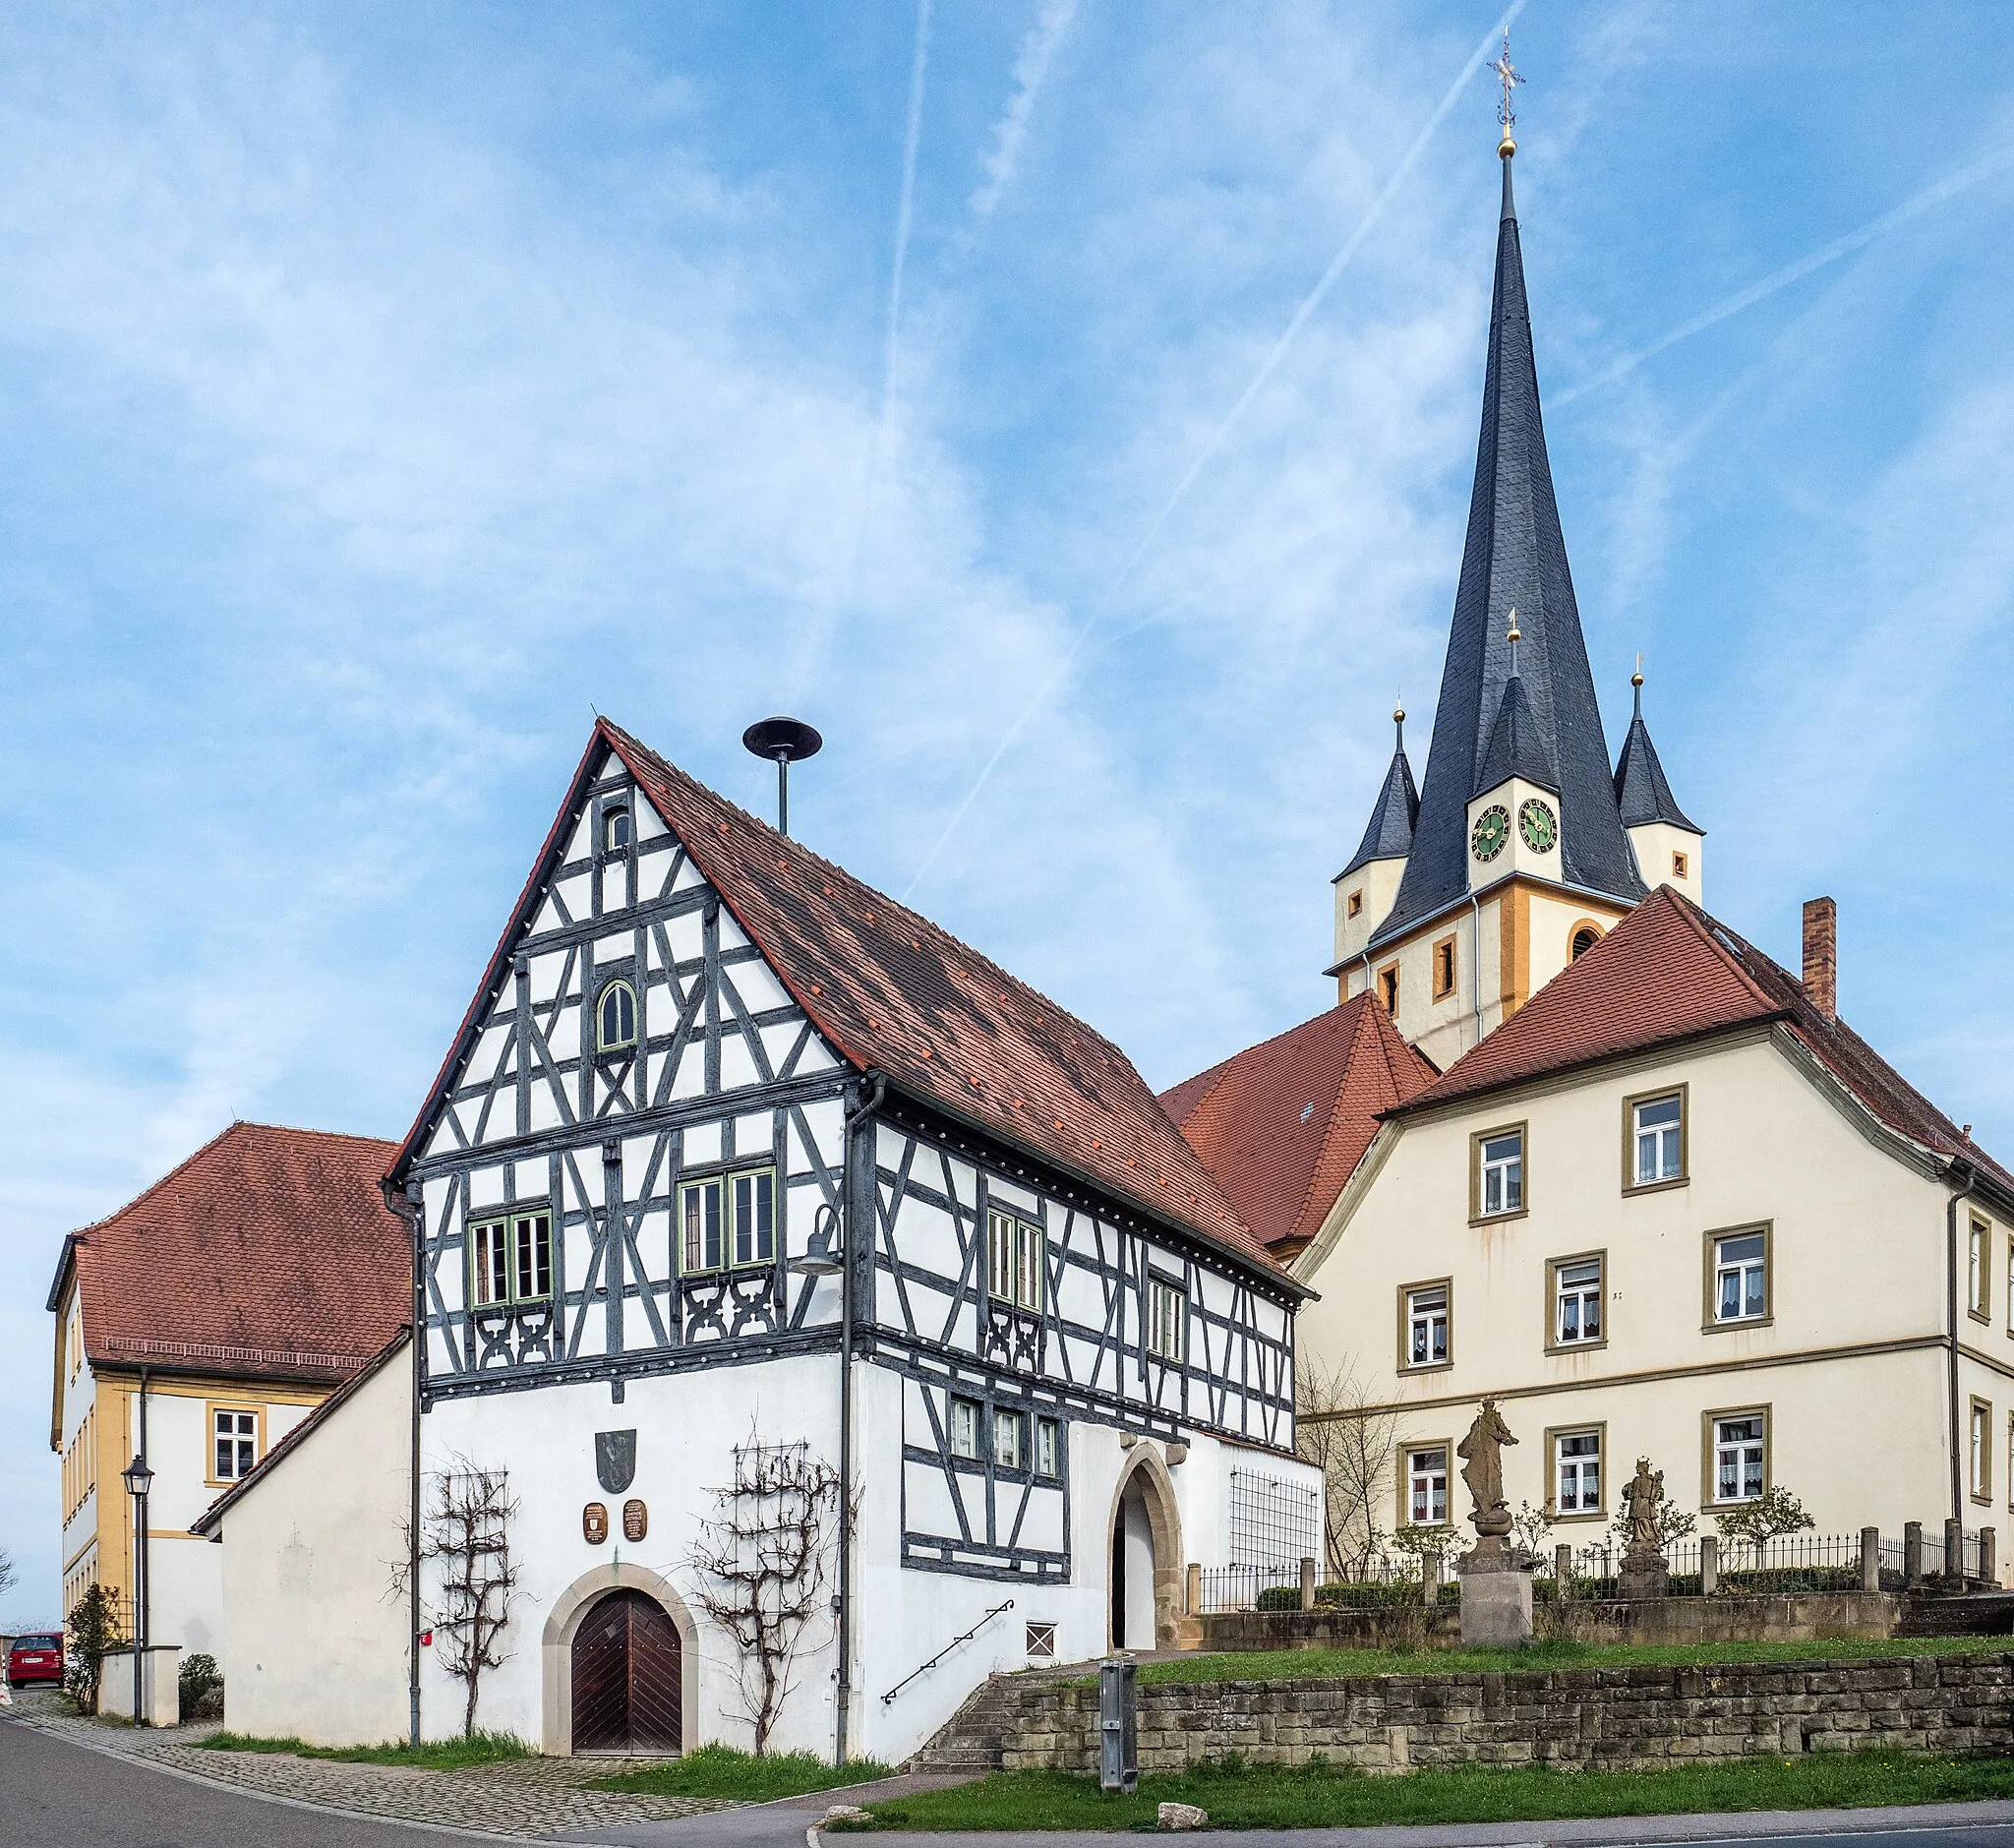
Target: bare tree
<point>465,1532</point>
<point>7,1574</point>
<point>1340,1429</point>
<point>762,1563</point>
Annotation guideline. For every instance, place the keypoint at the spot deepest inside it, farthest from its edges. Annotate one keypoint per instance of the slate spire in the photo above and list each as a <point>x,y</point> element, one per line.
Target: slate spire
<point>1641,791</point>
<point>1398,808</point>
<point>1515,557</point>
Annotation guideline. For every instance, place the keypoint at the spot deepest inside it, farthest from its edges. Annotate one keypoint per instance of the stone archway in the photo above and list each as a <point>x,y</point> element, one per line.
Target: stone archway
<point>1144,1480</point>
<point>556,1650</point>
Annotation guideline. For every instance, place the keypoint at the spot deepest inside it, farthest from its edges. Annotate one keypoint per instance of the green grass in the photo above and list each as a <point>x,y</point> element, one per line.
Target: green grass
<point>1317,1796</point>
<point>1294,1664</point>
<point>446,1755</point>
<point>723,1771</point>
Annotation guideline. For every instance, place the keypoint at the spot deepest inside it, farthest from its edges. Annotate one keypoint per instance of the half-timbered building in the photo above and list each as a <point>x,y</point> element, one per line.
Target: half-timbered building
<point>733,1152</point>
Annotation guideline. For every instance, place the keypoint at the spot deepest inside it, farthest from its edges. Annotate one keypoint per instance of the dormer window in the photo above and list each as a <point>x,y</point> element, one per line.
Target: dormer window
<point>616,1018</point>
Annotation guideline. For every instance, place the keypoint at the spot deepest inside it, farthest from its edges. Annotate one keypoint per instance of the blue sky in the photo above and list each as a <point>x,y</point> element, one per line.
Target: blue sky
<point>383,392</point>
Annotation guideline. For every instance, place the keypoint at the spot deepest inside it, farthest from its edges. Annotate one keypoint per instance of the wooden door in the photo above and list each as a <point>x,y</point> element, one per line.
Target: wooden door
<point>627,1672</point>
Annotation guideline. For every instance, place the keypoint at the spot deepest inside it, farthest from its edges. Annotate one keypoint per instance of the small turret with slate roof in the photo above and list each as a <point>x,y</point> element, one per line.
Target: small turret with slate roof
<point>1519,853</point>
<point>1666,842</point>
<point>1366,887</point>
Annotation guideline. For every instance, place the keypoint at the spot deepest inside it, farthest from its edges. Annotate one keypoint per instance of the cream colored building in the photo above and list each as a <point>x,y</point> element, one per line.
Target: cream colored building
<point>1676,1209</point>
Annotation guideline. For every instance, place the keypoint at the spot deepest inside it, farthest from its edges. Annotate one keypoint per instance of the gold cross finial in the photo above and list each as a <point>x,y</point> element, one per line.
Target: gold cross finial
<point>1506,75</point>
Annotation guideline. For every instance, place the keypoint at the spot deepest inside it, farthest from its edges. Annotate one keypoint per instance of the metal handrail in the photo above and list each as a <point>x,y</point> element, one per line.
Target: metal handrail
<point>888,1698</point>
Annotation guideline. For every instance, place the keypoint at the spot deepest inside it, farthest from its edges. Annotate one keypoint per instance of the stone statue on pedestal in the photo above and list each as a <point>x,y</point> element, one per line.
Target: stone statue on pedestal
<point>1644,1574</point>
<point>1496,1589</point>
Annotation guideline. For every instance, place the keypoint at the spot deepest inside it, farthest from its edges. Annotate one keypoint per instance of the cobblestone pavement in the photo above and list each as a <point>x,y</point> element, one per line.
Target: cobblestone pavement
<point>532,1799</point>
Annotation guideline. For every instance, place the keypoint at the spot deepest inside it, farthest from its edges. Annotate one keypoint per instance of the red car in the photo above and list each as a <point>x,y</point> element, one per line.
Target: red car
<point>34,1658</point>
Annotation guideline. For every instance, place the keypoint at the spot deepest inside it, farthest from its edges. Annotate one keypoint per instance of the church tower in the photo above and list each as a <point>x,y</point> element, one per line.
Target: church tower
<point>1522,847</point>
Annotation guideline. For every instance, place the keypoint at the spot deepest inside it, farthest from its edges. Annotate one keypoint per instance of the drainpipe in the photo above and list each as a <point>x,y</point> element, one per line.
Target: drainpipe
<point>407,1207</point>
<point>856,1118</point>
<point>143,1592</point>
<point>1970,1181</point>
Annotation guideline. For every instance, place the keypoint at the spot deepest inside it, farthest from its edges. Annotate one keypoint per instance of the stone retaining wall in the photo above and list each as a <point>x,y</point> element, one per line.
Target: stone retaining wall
<point>1802,1618</point>
<point>1608,1717</point>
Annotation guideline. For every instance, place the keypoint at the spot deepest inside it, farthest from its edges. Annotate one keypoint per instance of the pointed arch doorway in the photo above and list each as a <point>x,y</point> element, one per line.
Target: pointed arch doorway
<point>621,1666</point>
<point>627,1677</point>
<point>1144,1567</point>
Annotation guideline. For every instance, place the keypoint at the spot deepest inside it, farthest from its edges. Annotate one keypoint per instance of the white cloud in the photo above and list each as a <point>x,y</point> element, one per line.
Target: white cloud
<point>1030,69</point>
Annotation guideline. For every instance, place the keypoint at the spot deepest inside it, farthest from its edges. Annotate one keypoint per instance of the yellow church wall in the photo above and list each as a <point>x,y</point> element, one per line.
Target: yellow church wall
<point>1851,1354</point>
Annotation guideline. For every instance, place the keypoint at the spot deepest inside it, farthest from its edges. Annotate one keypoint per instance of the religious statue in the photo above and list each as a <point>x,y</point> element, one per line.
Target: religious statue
<point>1642,1495</point>
<point>1482,1469</point>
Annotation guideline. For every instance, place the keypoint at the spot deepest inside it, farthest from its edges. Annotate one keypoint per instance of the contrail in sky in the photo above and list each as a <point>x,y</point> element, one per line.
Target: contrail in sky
<point>1301,314</point>
<point>1947,188</point>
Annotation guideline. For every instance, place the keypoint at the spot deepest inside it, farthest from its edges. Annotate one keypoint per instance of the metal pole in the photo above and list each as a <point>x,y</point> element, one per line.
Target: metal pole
<point>861,1117</point>
<point>783,794</point>
<point>141,1588</point>
<point>139,1528</point>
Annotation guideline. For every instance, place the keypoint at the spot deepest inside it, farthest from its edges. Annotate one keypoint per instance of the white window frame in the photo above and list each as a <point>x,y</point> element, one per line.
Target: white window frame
<point>531,1254</point>
<point>1980,1462</point>
<point>234,1451</point>
<point>1581,1293</point>
<point>1503,1173</point>
<point>1582,1469</point>
<point>1048,1448</point>
<point>1426,1486</point>
<point>1428,1307</point>
<point>1742,1268</point>
<point>1010,1439</point>
<point>1741,1450</point>
<point>961,1428</point>
<point>617,818</point>
<point>1664,1142</point>
<point>1977,1279</point>
<point>1167,1318</point>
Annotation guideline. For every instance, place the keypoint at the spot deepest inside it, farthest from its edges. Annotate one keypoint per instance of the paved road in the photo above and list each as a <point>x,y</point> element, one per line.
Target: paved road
<point>57,1795</point>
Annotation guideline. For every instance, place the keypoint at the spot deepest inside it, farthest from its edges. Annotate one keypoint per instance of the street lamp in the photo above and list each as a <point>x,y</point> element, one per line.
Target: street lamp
<point>138,1479</point>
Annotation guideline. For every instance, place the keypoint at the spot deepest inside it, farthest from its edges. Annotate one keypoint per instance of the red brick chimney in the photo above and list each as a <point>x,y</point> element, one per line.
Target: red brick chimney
<point>1821,955</point>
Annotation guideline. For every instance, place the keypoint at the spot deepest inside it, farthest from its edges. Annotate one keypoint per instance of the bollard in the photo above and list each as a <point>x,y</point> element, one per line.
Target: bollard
<point>1118,1726</point>
<point>1195,1588</point>
<point>1430,1579</point>
<point>1307,1582</point>
<point>1989,1556</point>
<point>1912,1553</point>
<point>1870,1559</point>
<point>1563,1568</point>
<point>1709,1563</point>
<point>1954,1555</point>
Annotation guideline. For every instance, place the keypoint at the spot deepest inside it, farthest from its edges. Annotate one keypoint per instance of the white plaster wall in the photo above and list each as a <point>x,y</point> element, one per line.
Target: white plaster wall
<point>314,1646</point>
<point>686,1426</point>
<point>1655,842</point>
<point>1379,883</point>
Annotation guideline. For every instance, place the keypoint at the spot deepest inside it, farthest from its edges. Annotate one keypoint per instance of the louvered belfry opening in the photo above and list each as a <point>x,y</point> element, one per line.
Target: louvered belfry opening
<point>626,1671</point>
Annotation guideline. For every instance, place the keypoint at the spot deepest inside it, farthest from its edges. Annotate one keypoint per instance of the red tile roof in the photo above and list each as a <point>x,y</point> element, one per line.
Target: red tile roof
<point>269,1253</point>
<point>1669,972</point>
<point>891,991</point>
<point>1283,1124</point>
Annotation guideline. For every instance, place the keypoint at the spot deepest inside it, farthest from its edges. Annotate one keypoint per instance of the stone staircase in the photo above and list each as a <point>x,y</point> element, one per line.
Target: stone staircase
<point>970,1740</point>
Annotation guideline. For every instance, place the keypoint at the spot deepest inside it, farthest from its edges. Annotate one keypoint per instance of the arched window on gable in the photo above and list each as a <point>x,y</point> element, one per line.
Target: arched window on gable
<point>1586,937</point>
<point>616,1018</point>
<point>614,830</point>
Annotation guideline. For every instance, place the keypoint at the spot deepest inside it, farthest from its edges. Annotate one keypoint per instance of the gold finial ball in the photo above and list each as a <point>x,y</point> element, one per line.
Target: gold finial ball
<point>1514,634</point>
<point>1399,715</point>
<point>1636,678</point>
<point>1506,146</point>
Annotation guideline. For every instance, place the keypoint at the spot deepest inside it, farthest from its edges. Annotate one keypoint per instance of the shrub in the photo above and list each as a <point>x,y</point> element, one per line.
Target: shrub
<point>201,1687</point>
<point>1775,1512</point>
<point>1281,1599</point>
<point>94,1632</point>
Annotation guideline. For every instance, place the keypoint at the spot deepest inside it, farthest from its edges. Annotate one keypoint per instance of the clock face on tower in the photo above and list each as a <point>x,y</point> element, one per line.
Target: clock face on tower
<point>1491,833</point>
<point>1538,824</point>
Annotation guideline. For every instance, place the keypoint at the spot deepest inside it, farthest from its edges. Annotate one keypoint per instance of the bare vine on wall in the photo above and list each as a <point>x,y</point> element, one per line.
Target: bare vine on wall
<point>465,1538</point>
<point>764,1562</point>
